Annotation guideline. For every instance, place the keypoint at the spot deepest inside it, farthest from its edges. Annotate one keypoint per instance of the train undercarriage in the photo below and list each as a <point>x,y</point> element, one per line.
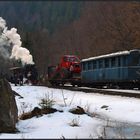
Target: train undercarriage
<point>101,85</point>
<point>63,77</point>
<point>113,85</point>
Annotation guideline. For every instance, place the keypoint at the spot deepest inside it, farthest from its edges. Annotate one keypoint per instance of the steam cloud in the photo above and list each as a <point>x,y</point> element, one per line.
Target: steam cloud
<point>11,40</point>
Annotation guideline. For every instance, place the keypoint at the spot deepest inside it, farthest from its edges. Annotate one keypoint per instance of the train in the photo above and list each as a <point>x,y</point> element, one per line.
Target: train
<point>115,70</point>
<point>28,71</point>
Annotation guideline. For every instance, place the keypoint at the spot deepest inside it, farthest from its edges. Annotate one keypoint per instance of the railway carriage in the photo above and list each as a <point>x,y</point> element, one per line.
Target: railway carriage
<point>120,69</point>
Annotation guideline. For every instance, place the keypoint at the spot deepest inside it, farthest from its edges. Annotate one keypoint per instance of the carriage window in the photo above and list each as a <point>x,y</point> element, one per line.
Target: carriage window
<point>106,63</point>
<point>124,60</point>
<point>89,65</point>
<point>119,61</point>
<point>135,60</point>
<point>84,66</point>
<point>100,64</point>
<point>113,62</point>
<point>94,65</point>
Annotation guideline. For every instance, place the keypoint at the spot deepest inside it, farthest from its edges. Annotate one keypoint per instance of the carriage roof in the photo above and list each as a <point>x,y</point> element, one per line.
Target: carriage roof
<point>109,55</point>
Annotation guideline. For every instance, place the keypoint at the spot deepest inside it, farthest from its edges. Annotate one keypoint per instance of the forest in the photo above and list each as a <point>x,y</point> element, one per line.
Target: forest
<point>51,29</point>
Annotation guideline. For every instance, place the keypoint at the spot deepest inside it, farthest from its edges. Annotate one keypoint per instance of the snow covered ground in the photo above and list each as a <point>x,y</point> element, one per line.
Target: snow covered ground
<point>112,116</point>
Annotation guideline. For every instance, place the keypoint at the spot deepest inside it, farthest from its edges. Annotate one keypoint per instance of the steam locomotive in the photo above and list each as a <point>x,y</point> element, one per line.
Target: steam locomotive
<point>120,69</point>
<point>24,71</point>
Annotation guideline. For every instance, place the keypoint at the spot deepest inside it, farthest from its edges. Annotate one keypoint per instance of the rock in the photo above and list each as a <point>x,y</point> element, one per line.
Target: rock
<point>48,110</point>
<point>78,110</point>
<point>8,108</point>
<point>25,116</point>
<point>37,112</point>
<point>16,94</point>
<point>104,106</point>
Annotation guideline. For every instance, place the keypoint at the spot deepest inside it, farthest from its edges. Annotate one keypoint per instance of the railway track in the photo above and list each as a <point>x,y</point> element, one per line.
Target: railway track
<point>100,91</point>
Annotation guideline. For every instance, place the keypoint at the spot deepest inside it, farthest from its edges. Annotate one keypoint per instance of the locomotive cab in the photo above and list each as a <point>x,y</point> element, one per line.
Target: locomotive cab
<point>67,71</point>
<point>71,62</point>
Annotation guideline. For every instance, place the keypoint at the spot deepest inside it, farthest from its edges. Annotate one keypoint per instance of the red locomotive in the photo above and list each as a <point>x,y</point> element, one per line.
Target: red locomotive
<point>67,71</point>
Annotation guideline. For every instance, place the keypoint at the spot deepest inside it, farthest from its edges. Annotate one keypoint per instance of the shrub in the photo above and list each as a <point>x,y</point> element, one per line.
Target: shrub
<point>75,122</point>
<point>46,102</point>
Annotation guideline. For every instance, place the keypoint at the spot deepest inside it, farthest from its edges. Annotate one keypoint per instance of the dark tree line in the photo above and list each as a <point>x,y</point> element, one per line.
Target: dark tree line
<point>86,29</point>
<point>104,27</point>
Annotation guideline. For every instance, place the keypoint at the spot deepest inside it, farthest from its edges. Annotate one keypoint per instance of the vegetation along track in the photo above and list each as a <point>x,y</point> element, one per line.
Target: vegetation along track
<point>100,91</point>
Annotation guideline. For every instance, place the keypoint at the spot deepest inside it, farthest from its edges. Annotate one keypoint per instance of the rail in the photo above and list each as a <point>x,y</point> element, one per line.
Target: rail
<point>101,91</point>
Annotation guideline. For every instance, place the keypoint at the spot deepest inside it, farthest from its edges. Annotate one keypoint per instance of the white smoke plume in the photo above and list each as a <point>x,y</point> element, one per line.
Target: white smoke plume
<point>12,38</point>
<point>2,23</point>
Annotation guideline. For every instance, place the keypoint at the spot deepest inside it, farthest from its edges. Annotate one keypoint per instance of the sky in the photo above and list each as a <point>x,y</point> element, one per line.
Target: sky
<point>110,116</point>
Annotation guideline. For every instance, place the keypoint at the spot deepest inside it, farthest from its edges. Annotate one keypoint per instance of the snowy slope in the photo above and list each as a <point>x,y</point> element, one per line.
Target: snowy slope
<point>57,125</point>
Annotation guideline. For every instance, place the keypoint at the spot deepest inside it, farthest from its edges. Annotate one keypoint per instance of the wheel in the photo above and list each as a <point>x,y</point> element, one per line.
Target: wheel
<point>73,84</point>
<point>62,84</point>
<point>79,85</point>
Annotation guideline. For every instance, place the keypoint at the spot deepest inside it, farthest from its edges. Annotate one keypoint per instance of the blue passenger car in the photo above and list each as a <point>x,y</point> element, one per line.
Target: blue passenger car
<point>116,69</point>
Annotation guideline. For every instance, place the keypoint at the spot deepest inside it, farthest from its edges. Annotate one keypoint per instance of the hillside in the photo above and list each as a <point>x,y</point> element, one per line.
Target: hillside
<point>50,29</point>
<point>37,15</point>
<point>106,119</point>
